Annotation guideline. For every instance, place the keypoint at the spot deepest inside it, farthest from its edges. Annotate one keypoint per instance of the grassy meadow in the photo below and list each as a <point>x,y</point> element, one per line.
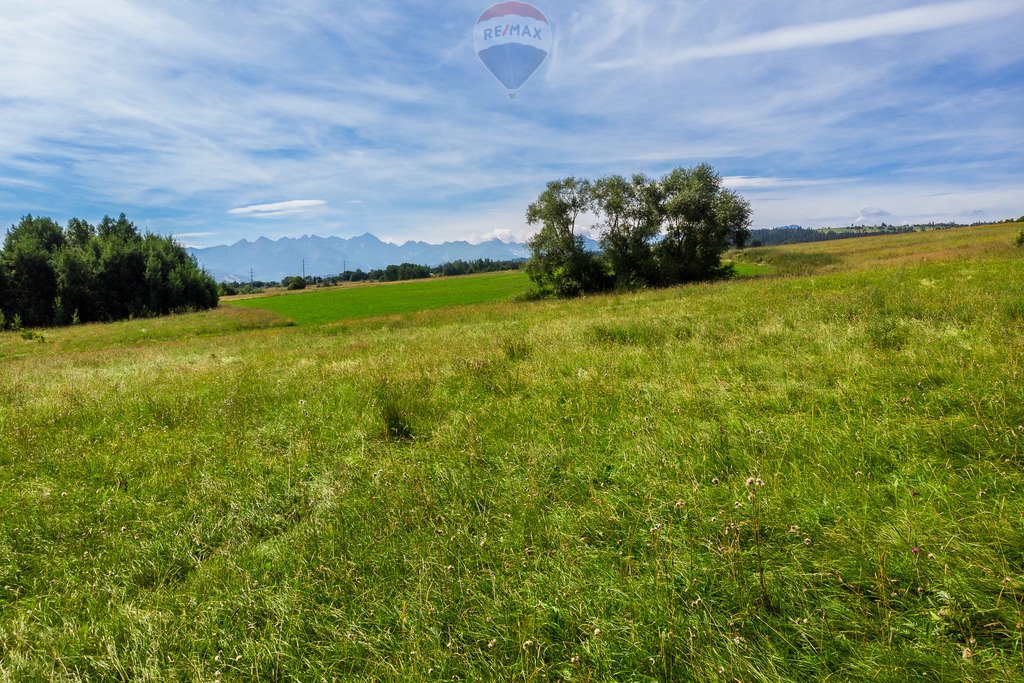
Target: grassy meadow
<point>816,474</point>
<point>352,302</point>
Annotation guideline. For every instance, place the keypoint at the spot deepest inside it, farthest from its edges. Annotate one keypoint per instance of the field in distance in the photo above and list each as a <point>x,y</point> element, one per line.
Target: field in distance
<point>814,475</point>
<point>353,302</point>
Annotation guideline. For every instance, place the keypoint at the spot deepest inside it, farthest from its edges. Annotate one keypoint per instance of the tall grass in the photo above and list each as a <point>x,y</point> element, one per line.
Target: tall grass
<point>534,491</point>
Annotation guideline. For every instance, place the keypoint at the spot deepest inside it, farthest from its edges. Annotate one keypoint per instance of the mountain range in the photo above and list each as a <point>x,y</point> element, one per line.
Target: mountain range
<point>272,260</point>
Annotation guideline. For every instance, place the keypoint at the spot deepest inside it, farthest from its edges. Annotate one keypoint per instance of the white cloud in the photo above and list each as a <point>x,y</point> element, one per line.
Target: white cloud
<point>871,216</point>
<point>874,213</point>
<point>504,234</point>
<point>279,208</point>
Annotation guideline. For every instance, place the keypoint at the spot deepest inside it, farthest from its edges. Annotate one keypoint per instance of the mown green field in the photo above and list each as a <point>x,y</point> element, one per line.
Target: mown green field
<point>815,475</point>
<point>368,301</point>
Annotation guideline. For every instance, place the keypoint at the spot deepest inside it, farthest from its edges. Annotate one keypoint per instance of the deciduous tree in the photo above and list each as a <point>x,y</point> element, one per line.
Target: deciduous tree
<point>559,262</point>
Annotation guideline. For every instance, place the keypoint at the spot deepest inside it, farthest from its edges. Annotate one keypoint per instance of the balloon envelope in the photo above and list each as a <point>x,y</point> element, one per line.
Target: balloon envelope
<point>512,39</point>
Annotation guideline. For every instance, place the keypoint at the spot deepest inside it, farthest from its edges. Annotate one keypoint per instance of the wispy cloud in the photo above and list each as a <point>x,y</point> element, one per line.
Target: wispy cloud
<point>192,235</point>
<point>885,24</point>
<point>161,111</point>
<point>758,183</point>
<point>278,208</point>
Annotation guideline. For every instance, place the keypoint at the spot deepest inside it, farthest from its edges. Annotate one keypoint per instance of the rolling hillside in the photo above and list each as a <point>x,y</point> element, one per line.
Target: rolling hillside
<point>812,474</point>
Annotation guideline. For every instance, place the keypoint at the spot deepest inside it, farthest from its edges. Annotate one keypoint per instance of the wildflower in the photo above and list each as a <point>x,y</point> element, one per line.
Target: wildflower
<point>575,659</point>
<point>751,497</point>
<point>527,644</point>
<point>859,474</point>
<point>916,551</point>
<point>679,504</point>
<point>967,653</point>
<point>597,632</point>
<point>737,505</point>
<point>807,541</point>
<point>715,481</point>
<point>931,556</point>
<point>795,529</point>
<point>759,482</point>
<point>490,645</point>
<point>750,482</point>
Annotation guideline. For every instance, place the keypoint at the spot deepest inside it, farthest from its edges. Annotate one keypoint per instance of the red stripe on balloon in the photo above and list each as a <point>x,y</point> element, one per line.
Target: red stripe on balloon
<point>518,8</point>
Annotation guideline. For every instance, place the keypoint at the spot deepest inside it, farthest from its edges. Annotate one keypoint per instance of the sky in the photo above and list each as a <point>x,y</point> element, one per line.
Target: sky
<point>218,121</point>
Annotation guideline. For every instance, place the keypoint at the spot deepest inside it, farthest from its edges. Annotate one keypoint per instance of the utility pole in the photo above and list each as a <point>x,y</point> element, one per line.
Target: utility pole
<point>252,277</point>
<point>303,269</point>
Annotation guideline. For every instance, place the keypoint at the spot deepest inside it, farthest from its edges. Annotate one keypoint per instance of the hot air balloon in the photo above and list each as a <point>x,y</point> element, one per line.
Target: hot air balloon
<point>512,39</point>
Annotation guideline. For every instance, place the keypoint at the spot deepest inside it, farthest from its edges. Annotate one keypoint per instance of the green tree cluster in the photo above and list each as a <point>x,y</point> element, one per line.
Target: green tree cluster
<point>294,282</point>
<point>652,232</point>
<point>412,271</point>
<point>83,273</point>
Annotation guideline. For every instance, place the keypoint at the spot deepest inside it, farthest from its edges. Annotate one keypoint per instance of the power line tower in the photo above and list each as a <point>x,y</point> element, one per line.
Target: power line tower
<point>252,277</point>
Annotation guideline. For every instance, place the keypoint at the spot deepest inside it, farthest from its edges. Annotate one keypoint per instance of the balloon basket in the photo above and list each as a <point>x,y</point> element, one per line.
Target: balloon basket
<point>513,96</point>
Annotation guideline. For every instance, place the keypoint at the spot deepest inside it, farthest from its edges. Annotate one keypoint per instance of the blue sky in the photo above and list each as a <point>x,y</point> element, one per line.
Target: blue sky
<point>216,121</point>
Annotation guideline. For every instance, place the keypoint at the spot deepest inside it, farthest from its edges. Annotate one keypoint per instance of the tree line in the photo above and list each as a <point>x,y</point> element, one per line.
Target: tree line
<point>53,275</point>
<point>392,273</point>
<point>652,232</point>
<point>794,234</point>
<point>770,237</point>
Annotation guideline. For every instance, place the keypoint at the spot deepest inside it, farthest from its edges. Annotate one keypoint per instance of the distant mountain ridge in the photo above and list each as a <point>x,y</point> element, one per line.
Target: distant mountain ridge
<point>272,260</point>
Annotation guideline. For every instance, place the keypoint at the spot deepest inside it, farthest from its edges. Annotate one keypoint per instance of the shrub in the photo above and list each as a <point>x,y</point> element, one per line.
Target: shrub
<point>1020,239</point>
